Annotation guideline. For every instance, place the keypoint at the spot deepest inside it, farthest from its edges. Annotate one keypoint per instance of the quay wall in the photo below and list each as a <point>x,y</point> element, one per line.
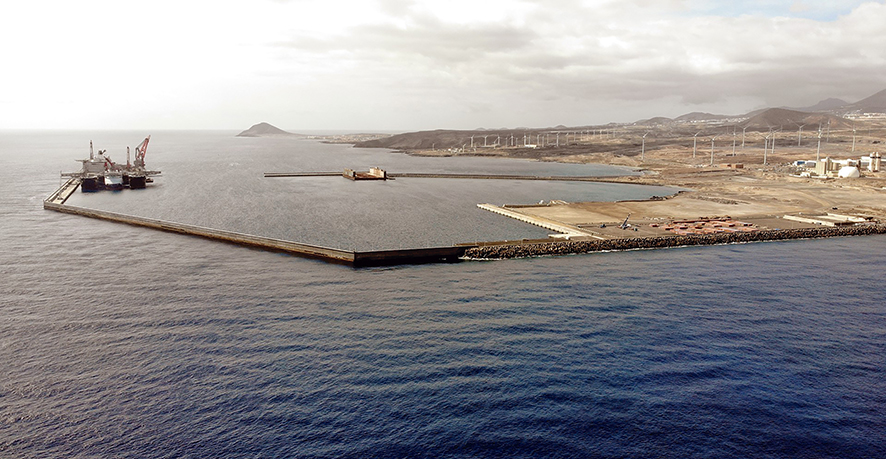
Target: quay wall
<point>280,245</point>
<point>564,178</point>
<point>574,247</point>
<point>409,256</point>
<point>355,259</point>
<point>302,174</point>
<point>498,177</point>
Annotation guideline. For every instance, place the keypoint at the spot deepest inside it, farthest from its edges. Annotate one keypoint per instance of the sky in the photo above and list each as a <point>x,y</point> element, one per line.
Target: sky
<point>402,65</point>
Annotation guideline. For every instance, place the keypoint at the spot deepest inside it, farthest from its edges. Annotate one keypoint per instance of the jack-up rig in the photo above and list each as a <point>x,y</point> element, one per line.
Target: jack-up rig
<point>100,173</point>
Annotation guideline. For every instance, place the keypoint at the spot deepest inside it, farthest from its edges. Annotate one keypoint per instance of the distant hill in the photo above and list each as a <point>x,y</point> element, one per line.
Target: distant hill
<point>825,112</point>
<point>264,130</point>
<point>423,140</point>
<point>824,106</point>
<point>873,104</point>
<point>699,116</point>
<point>447,138</point>
<point>782,118</point>
<point>657,121</point>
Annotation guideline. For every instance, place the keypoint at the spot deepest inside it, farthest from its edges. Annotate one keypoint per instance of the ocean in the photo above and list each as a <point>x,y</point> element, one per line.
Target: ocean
<point>119,341</point>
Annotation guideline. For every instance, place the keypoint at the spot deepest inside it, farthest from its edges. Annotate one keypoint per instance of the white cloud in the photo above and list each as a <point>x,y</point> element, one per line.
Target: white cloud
<point>410,64</point>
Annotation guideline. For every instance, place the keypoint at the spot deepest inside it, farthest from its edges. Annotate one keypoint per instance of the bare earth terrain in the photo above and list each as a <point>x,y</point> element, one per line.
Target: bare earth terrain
<point>720,177</point>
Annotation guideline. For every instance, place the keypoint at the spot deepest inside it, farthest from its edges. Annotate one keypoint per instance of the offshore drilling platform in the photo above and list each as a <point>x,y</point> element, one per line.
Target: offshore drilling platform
<point>99,172</point>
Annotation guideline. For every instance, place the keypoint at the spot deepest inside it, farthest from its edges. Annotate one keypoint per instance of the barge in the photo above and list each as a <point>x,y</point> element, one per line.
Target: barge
<point>374,173</point>
<point>99,172</point>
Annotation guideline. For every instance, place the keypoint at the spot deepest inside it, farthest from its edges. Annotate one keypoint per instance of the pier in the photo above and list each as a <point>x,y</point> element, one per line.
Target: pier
<point>566,231</point>
<point>64,192</point>
<point>390,175</point>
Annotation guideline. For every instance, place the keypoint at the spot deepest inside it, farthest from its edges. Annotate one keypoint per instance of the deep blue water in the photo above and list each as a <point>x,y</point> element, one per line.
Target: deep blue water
<point>118,341</point>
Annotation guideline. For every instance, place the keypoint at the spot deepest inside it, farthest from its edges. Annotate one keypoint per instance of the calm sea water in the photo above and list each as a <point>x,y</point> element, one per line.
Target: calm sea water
<point>118,341</point>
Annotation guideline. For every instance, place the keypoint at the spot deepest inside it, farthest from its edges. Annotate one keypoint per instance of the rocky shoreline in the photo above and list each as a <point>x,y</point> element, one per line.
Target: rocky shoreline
<point>586,246</point>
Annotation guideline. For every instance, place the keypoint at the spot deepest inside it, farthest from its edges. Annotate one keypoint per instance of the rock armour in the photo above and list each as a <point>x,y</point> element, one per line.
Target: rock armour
<point>573,247</point>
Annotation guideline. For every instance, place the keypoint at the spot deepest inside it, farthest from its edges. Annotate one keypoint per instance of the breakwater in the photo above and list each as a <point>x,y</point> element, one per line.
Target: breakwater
<point>351,258</point>
<point>553,178</point>
<point>486,250</point>
<point>503,251</point>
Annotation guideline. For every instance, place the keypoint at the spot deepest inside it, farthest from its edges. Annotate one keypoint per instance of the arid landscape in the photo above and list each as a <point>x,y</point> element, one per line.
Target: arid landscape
<point>740,166</point>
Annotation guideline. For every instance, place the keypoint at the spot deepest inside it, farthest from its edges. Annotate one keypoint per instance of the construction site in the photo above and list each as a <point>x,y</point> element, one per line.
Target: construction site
<point>775,170</point>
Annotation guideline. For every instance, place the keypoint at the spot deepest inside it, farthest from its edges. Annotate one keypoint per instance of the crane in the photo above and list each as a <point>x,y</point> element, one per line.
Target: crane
<point>140,151</point>
<point>625,224</point>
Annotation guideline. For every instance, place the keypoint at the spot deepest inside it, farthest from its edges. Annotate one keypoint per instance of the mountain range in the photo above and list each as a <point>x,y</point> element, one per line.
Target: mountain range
<point>828,109</point>
<point>830,112</point>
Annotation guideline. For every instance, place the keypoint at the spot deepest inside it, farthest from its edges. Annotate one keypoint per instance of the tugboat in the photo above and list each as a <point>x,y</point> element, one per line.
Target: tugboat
<point>100,173</point>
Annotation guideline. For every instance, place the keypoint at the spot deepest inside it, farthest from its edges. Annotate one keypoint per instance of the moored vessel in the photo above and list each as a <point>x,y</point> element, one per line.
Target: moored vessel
<point>99,172</point>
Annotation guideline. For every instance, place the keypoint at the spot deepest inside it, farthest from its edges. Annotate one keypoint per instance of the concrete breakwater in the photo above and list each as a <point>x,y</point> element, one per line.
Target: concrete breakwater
<point>488,250</point>
<point>503,251</point>
<point>352,258</point>
<point>552,178</point>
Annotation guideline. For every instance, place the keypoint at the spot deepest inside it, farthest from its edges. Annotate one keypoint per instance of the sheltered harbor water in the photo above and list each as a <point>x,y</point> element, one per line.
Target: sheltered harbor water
<point>230,193</point>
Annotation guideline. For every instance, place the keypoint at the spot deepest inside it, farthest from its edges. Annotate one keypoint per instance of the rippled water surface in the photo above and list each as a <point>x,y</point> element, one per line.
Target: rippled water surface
<point>118,341</point>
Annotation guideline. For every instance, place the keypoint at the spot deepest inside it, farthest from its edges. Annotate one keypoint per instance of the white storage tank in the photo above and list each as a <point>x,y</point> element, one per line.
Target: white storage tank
<point>849,172</point>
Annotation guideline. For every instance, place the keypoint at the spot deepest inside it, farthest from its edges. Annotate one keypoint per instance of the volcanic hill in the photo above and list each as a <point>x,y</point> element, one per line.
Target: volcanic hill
<point>264,130</point>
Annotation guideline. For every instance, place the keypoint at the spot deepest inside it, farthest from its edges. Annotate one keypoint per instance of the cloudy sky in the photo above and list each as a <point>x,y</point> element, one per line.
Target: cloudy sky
<point>425,64</point>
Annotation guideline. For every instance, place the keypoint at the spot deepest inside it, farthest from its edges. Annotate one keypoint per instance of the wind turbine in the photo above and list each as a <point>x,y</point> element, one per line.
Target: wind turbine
<point>853,137</point>
<point>772,145</point>
<point>799,133</point>
<point>818,152</point>
<point>766,146</point>
<point>733,140</point>
<point>643,150</point>
<point>712,149</point>
<point>695,144</point>
<point>742,136</point>
<point>828,140</point>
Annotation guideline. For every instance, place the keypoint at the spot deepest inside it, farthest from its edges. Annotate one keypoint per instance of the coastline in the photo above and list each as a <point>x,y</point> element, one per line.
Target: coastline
<point>764,189</point>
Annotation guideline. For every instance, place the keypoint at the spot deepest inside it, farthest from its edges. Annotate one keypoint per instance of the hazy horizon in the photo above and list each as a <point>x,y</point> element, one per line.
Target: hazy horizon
<point>407,65</point>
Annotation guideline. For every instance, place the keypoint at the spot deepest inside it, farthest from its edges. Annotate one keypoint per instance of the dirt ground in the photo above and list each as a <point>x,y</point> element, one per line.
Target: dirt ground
<point>754,191</point>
